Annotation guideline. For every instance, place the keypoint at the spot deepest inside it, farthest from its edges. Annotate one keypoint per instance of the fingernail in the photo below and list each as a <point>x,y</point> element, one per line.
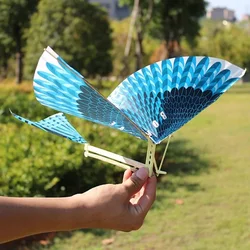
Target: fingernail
<point>142,173</point>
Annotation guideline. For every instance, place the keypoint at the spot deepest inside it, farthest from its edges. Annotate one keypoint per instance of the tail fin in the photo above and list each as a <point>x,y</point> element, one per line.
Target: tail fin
<point>56,124</point>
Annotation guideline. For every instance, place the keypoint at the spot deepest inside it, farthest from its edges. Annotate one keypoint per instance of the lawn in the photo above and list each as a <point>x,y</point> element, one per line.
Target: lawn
<point>204,201</point>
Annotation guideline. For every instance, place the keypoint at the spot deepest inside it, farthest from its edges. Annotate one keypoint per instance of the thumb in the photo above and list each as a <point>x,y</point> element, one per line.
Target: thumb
<point>136,181</point>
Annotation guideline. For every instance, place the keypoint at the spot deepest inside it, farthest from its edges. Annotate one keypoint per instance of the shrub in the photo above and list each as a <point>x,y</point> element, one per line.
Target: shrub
<point>36,163</point>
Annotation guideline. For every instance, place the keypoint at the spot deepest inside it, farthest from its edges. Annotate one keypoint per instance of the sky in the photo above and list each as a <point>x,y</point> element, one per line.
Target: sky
<point>240,7</point>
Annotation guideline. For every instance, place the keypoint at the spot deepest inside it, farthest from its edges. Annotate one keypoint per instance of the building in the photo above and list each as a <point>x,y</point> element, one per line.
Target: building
<point>246,17</point>
<point>114,10</point>
<point>221,14</point>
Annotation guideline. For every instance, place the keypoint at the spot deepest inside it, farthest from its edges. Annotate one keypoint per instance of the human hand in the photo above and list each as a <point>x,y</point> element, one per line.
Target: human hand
<point>120,207</point>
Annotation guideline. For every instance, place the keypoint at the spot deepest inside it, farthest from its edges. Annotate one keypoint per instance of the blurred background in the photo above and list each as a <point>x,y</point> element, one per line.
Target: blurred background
<point>203,202</point>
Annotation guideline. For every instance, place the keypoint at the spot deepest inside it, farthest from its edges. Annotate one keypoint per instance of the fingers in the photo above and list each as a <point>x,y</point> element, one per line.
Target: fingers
<point>148,198</point>
<point>136,181</point>
<point>127,174</point>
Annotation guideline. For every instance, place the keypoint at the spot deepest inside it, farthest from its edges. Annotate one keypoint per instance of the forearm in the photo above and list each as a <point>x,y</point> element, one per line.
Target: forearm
<point>21,217</point>
<point>119,207</point>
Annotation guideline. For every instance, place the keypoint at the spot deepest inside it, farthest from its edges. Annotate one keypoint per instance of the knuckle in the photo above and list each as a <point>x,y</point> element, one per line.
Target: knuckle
<point>136,181</point>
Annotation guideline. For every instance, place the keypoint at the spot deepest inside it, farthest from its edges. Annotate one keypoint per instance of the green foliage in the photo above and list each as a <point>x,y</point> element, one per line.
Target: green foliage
<point>172,21</point>
<point>177,19</point>
<point>14,19</point>
<point>33,162</point>
<point>120,32</point>
<point>181,19</point>
<point>76,30</point>
<point>224,40</point>
<point>6,45</point>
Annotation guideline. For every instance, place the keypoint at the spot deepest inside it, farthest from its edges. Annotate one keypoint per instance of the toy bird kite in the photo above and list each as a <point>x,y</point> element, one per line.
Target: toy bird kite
<point>150,104</point>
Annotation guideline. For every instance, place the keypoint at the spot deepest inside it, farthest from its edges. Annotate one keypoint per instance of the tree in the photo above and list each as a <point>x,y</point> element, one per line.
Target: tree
<point>14,19</point>
<point>224,40</point>
<point>130,35</point>
<point>5,53</point>
<point>120,32</point>
<point>174,20</point>
<point>144,16</point>
<point>167,20</point>
<point>140,17</point>
<point>76,30</point>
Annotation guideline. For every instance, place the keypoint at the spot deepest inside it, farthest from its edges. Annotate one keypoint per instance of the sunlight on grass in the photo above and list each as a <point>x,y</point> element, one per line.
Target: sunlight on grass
<point>9,85</point>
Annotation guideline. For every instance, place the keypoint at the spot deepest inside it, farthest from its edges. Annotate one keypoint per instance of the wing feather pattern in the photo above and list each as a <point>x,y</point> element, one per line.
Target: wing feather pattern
<point>162,97</point>
<point>56,124</point>
<point>60,87</point>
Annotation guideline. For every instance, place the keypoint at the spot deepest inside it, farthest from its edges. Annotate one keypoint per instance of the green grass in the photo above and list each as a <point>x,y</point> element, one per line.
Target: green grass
<point>208,166</point>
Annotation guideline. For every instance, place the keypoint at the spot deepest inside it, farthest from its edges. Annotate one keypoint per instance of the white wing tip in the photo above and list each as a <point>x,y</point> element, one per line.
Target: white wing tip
<point>51,52</point>
<point>11,111</point>
<point>243,72</point>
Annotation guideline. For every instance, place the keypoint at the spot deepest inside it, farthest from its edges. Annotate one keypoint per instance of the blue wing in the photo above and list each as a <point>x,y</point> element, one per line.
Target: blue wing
<point>60,87</point>
<point>162,97</point>
<point>56,124</point>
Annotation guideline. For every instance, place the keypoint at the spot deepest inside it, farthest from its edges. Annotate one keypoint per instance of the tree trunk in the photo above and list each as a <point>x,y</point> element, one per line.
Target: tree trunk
<point>125,70</point>
<point>139,49</point>
<point>173,48</point>
<point>4,69</point>
<point>19,56</point>
<point>19,67</point>
<point>141,22</point>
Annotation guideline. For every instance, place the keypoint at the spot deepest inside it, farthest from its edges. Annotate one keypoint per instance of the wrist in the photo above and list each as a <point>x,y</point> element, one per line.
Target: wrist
<point>55,214</point>
<point>81,213</point>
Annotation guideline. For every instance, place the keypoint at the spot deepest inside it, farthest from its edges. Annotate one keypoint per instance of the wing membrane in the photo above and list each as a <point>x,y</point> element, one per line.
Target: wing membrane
<point>56,124</point>
<point>162,97</point>
<point>60,87</point>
